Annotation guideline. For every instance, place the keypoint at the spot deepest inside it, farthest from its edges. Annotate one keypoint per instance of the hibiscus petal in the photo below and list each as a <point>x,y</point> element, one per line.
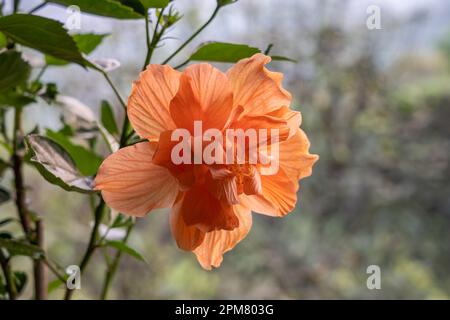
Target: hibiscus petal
<point>148,104</point>
<point>205,95</point>
<point>187,237</point>
<point>132,184</point>
<point>293,118</point>
<point>222,184</point>
<point>216,243</point>
<point>295,158</point>
<point>255,88</point>
<point>201,209</point>
<point>184,173</point>
<point>278,196</point>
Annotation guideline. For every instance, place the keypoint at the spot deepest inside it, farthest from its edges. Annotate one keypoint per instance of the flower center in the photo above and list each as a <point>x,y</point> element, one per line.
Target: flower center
<point>241,171</point>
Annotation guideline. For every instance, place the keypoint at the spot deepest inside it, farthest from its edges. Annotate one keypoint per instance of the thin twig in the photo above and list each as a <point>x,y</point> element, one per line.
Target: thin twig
<point>112,268</point>
<point>151,45</point>
<point>40,272</point>
<point>113,87</point>
<point>38,7</point>
<point>216,10</point>
<point>4,263</point>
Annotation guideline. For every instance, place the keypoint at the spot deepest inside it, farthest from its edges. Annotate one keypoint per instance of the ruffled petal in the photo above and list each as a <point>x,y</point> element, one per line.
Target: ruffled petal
<point>216,243</point>
<point>292,118</point>
<point>295,158</point>
<point>130,183</point>
<point>278,196</point>
<point>204,95</point>
<point>201,209</point>
<point>148,104</point>
<point>255,88</point>
<point>187,237</point>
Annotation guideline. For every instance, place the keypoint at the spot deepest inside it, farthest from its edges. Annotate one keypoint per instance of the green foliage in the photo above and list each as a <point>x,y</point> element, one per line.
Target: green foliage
<point>86,161</point>
<point>228,52</point>
<point>4,197</point>
<point>56,165</point>
<point>123,247</point>
<point>15,99</point>
<point>3,40</point>
<point>86,43</point>
<point>13,69</point>
<point>107,118</point>
<point>223,3</point>
<point>106,8</point>
<point>43,34</point>
<point>281,58</point>
<point>20,279</point>
<point>154,3</point>
<point>20,248</point>
<point>222,52</point>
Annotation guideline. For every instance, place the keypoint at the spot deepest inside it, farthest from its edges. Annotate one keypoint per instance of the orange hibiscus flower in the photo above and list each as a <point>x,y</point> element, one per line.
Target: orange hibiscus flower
<point>211,204</point>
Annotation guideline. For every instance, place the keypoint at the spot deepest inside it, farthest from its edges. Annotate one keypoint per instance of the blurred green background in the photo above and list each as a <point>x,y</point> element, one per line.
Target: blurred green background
<point>375,105</point>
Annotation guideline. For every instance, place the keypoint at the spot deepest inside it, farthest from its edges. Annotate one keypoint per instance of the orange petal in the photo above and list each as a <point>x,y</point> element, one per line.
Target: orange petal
<point>132,184</point>
<point>148,104</point>
<point>201,209</point>
<point>187,237</point>
<point>204,95</point>
<point>293,118</point>
<point>258,122</point>
<point>294,157</point>
<point>255,88</point>
<point>216,243</point>
<point>278,196</point>
<point>222,184</point>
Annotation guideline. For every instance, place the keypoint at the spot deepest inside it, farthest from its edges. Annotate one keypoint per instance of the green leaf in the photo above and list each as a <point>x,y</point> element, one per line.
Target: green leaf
<point>20,280</point>
<point>222,52</point>
<point>3,40</point>
<point>135,4</point>
<point>4,196</point>
<point>6,221</point>
<point>154,3</point>
<point>86,43</point>
<point>119,245</point>
<point>121,221</point>
<point>55,284</point>
<point>107,118</point>
<point>85,160</point>
<point>19,248</point>
<point>14,99</point>
<point>13,70</point>
<point>281,58</point>
<point>56,165</point>
<point>106,8</point>
<point>43,34</point>
<point>223,3</point>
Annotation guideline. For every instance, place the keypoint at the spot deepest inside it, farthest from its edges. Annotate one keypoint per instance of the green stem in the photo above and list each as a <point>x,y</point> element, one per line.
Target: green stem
<point>92,245</point>
<point>113,87</point>
<point>38,7</point>
<point>193,35</point>
<point>18,176</point>
<point>41,73</point>
<point>182,64</point>
<point>151,45</point>
<point>16,5</point>
<point>8,276</point>
<point>112,268</point>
